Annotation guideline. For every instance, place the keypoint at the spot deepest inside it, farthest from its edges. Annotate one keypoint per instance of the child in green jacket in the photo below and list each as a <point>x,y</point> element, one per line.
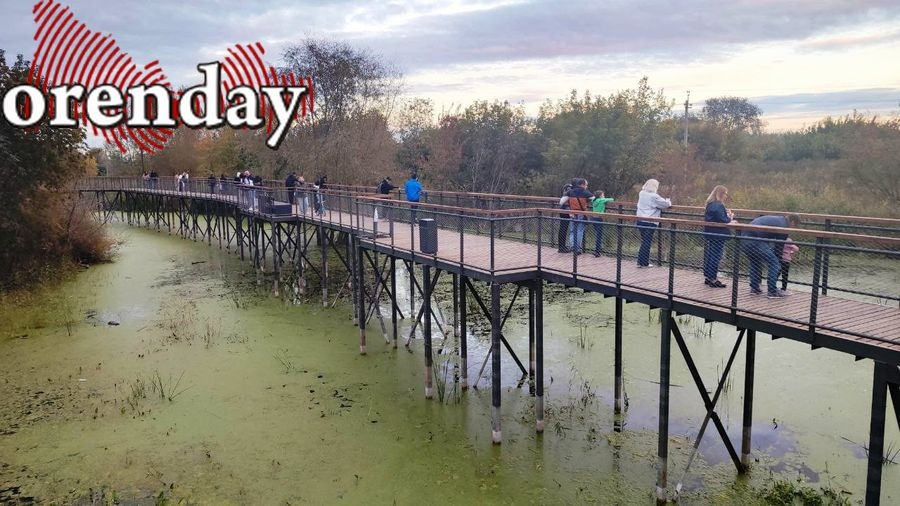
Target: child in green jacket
<point>598,205</point>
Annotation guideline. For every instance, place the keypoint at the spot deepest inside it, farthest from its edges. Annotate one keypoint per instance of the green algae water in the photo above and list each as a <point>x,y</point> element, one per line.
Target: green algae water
<point>170,375</point>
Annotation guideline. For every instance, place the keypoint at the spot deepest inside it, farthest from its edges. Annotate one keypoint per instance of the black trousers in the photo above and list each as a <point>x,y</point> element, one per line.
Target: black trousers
<point>563,234</point>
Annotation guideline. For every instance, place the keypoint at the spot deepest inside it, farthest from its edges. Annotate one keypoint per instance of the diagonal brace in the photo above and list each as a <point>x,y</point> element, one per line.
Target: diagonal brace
<point>709,403</point>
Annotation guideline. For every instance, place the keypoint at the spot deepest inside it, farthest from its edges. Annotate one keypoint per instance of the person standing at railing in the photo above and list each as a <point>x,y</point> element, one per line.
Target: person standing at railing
<point>302,195</point>
<point>290,183</point>
<point>715,236</point>
<point>154,179</point>
<point>319,186</point>
<point>598,205</point>
<point>222,181</point>
<point>179,182</point>
<point>579,201</point>
<point>563,233</point>
<point>211,182</point>
<point>146,177</point>
<point>765,247</point>
<point>650,205</point>
<point>249,195</point>
<point>384,188</point>
<point>413,189</point>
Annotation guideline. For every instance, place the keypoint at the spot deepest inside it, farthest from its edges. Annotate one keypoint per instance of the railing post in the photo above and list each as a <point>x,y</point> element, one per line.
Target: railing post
<point>671,263</point>
<point>492,244</point>
<point>539,239</point>
<point>619,231</point>
<point>814,299</point>
<point>825,259</point>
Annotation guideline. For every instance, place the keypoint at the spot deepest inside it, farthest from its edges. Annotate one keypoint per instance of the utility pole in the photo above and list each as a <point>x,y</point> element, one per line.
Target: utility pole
<point>687,106</point>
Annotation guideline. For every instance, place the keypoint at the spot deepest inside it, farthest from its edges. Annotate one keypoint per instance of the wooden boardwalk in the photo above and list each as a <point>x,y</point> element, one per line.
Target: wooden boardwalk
<point>865,329</point>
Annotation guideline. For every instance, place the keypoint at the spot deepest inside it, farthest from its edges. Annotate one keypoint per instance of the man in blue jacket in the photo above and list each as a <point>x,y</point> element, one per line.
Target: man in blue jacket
<point>413,189</point>
<point>766,247</point>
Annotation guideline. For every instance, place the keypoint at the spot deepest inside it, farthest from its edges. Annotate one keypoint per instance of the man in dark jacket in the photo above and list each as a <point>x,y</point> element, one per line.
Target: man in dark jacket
<point>386,186</point>
<point>291,184</point>
<point>765,247</point>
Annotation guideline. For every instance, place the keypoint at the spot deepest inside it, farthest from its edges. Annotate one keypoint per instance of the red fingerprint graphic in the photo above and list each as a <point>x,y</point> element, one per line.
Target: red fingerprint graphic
<point>70,53</point>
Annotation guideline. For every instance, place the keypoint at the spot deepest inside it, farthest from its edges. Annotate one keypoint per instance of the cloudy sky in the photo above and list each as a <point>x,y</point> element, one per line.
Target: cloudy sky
<point>797,60</point>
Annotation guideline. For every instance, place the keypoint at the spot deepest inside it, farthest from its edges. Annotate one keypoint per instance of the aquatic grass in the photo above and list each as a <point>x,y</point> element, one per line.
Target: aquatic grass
<point>287,365</point>
<point>790,493</point>
<point>167,390</point>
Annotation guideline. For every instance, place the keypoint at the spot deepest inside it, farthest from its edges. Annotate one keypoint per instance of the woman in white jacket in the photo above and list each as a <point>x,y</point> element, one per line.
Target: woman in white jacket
<point>650,205</point>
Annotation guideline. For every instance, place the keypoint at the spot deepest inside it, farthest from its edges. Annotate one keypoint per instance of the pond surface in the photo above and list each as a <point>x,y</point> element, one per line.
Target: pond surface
<point>170,373</point>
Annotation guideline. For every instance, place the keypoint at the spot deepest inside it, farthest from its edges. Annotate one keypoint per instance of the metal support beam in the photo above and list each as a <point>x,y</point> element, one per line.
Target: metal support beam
<point>394,301</point>
<point>531,331</point>
<point>662,451</point>
<point>426,305</point>
<point>749,370</point>
<point>539,355</point>
<point>463,334</point>
<point>496,434</point>
<point>876,434</point>
<point>617,365</point>
<point>361,296</point>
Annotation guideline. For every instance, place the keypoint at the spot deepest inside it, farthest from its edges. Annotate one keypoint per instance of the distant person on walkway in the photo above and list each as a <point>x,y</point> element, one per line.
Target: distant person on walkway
<point>787,256</point>
<point>579,200</point>
<point>179,181</point>
<point>563,233</point>
<point>413,189</point>
<point>302,194</point>
<point>211,182</point>
<point>154,178</point>
<point>650,205</point>
<point>767,247</point>
<point>716,212</point>
<point>249,195</point>
<point>146,177</point>
<point>290,183</point>
<point>384,188</point>
<point>319,185</point>
<point>222,181</point>
<point>598,205</point>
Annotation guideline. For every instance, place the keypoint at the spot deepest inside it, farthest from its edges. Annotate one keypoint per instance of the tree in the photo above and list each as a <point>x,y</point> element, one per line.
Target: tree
<point>354,93</point>
<point>612,141</point>
<point>733,114</point>
<point>39,224</point>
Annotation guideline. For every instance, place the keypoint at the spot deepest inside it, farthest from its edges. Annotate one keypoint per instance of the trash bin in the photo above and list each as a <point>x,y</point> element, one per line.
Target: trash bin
<point>427,236</point>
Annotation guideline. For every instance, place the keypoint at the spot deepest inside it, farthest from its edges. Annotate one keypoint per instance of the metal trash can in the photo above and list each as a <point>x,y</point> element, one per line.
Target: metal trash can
<point>427,236</point>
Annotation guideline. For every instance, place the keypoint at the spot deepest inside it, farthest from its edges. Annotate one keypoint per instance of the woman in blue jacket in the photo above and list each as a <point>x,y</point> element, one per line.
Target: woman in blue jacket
<point>715,236</point>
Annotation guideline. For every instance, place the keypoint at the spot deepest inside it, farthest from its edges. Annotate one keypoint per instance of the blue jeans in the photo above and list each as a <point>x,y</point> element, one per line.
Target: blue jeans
<point>576,233</point>
<point>647,229</point>
<point>598,235</point>
<point>759,253</point>
<point>712,257</point>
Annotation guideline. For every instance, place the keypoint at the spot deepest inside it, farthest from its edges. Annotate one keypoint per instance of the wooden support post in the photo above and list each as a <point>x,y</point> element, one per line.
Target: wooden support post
<point>539,355</point>
<point>617,366</point>
<point>665,349</point>
<point>749,368</point>
<point>463,334</point>
<point>496,434</point>
<point>455,278</point>
<point>876,435</point>
<point>355,293</point>
<point>360,285</point>
<point>426,324</point>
